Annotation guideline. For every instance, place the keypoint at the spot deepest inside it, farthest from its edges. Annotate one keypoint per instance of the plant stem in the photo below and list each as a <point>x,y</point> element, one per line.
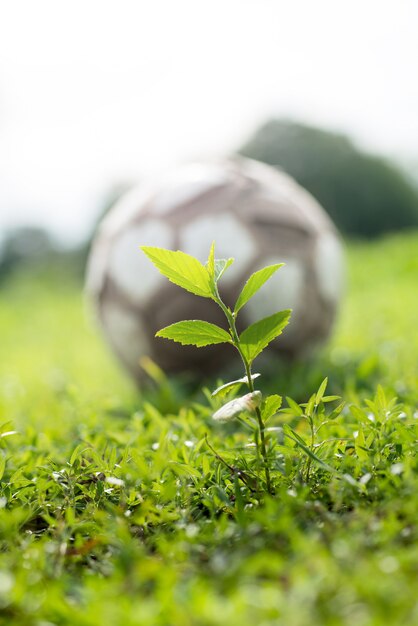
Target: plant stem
<point>309,462</point>
<point>240,474</point>
<point>261,426</point>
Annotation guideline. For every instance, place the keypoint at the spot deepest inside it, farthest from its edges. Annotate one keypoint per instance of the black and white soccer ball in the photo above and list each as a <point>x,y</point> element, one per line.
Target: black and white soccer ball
<point>255,214</point>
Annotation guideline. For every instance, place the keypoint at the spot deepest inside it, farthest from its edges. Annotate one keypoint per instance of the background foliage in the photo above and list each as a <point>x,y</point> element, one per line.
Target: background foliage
<point>366,195</point>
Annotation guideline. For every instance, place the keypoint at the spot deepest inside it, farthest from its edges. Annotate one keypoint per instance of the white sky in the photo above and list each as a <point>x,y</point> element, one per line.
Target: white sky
<point>93,92</point>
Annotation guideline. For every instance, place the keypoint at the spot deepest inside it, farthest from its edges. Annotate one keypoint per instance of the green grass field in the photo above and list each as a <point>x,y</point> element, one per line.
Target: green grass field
<point>114,511</point>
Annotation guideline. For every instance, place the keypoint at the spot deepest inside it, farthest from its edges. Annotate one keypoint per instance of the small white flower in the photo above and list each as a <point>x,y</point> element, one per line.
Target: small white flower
<point>231,409</point>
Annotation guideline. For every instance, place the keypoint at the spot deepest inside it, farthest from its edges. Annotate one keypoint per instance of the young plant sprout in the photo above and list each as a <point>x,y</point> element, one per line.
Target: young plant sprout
<point>202,280</point>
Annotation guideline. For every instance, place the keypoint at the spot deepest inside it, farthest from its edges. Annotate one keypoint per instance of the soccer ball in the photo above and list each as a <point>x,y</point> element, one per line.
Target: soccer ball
<point>253,213</point>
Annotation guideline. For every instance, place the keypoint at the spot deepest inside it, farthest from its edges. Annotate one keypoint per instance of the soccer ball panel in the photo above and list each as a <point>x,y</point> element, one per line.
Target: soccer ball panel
<point>186,185</point>
<point>97,268</point>
<point>126,335</point>
<point>284,290</point>
<point>232,239</point>
<point>281,193</point>
<point>131,206</point>
<point>128,266</point>
<point>329,267</point>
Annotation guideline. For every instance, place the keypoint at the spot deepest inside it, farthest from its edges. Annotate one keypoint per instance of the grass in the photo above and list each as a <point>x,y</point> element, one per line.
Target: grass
<point>114,510</point>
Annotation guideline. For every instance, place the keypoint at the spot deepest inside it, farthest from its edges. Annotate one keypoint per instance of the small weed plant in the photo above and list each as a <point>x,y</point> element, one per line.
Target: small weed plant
<point>251,409</point>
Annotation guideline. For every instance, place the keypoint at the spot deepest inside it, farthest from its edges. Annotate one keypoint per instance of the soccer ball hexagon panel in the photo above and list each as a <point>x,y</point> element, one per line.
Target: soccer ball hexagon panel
<point>253,213</point>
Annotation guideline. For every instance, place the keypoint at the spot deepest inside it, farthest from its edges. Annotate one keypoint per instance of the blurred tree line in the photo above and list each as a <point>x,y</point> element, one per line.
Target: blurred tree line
<point>365,195</point>
<point>31,248</point>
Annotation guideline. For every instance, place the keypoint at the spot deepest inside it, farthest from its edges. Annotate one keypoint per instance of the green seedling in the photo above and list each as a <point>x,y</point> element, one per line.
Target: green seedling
<point>202,280</point>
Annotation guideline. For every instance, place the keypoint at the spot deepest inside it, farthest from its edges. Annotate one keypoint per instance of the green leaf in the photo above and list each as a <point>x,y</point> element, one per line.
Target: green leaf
<point>181,269</point>
<point>2,464</point>
<point>360,445</point>
<point>321,391</point>
<point>256,337</point>
<point>359,414</point>
<point>271,405</point>
<point>254,283</point>
<point>297,410</point>
<point>210,264</point>
<point>216,268</point>
<point>220,266</point>
<point>154,371</point>
<point>78,451</point>
<point>310,405</point>
<point>336,412</point>
<point>292,434</point>
<point>195,333</point>
<point>326,399</point>
<point>223,389</point>
<point>182,469</point>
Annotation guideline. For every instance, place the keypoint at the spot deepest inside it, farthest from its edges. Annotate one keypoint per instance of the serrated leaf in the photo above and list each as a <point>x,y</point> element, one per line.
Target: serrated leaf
<point>271,405</point>
<point>256,337</point>
<point>233,408</point>
<point>233,383</point>
<point>181,269</point>
<point>195,333</point>
<point>254,283</point>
